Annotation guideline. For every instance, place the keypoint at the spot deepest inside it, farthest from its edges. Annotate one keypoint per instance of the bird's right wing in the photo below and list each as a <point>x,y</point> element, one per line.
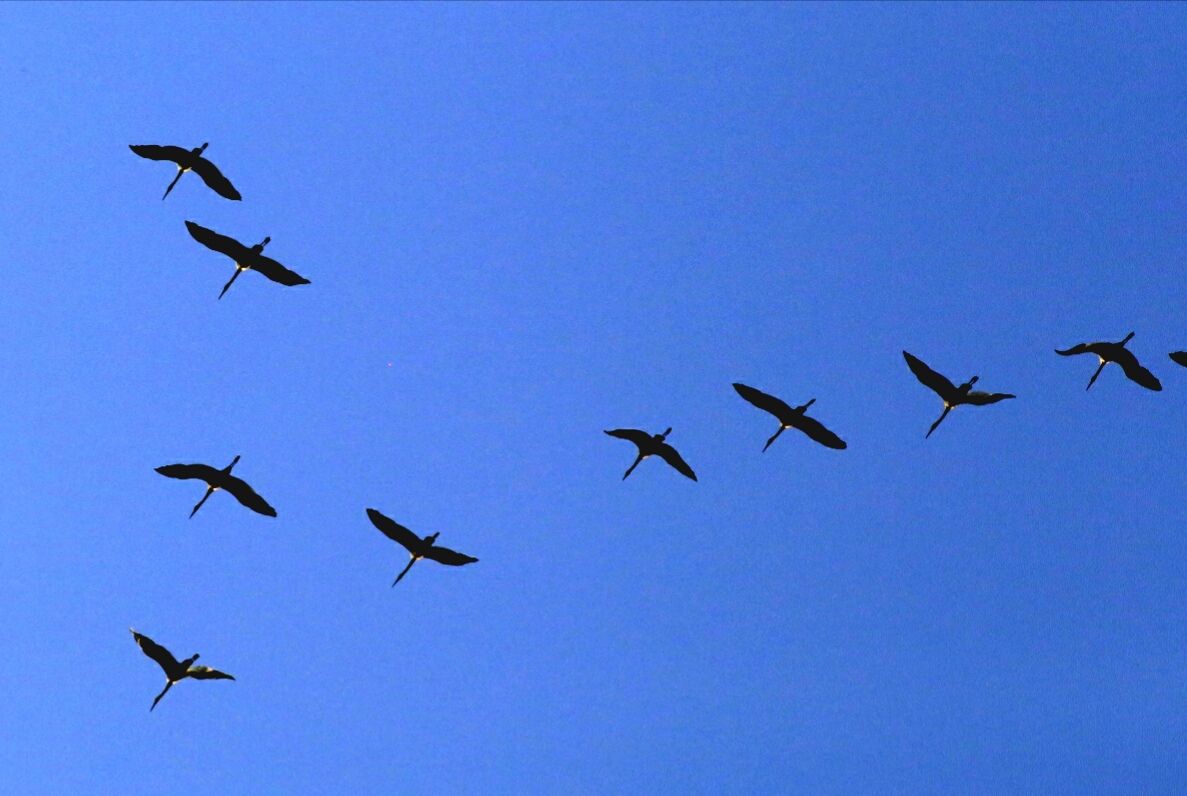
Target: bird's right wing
<point>978,398</point>
<point>219,243</point>
<point>767,403</point>
<point>1134,370</point>
<point>206,673</point>
<point>244,494</point>
<point>154,152</point>
<point>443,555</point>
<point>394,530</point>
<point>1082,348</point>
<point>155,651</point>
<point>276,272</point>
<point>1180,357</point>
<point>215,179</point>
<point>929,378</point>
<point>669,455</point>
<point>202,472</point>
<point>816,430</point>
<point>636,436</point>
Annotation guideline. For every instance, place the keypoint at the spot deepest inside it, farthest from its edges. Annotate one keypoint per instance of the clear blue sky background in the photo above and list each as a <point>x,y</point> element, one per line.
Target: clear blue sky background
<point>523,225</point>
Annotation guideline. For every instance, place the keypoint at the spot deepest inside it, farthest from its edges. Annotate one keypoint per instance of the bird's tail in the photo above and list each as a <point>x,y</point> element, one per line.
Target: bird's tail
<point>209,492</point>
<point>772,439</point>
<point>631,469</point>
<point>175,179</point>
<point>227,286</point>
<point>1094,375</point>
<point>168,685</point>
<point>936,424</point>
<point>403,573</point>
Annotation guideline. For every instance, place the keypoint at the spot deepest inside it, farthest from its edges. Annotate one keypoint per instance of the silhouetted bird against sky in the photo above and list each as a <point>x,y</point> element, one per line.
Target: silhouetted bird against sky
<point>175,670</point>
<point>1180,357</point>
<point>951,395</point>
<point>245,258</point>
<point>188,160</point>
<point>417,548</point>
<point>649,445</point>
<point>216,480</point>
<point>790,417</point>
<point>1115,352</point>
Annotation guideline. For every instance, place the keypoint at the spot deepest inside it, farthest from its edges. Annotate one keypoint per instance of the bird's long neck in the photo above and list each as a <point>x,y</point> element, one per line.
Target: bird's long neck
<point>231,466</point>
<point>259,247</point>
<point>431,538</point>
<point>804,408</point>
<point>663,436</point>
<point>202,148</point>
<point>1128,337</point>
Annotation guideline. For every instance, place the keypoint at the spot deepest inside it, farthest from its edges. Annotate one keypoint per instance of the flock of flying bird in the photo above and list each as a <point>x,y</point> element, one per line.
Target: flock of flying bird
<point>251,258</point>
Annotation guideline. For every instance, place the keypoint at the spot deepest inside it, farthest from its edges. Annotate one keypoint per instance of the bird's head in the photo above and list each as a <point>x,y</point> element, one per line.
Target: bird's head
<point>431,538</point>
<point>202,148</point>
<point>663,436</point>
<point>1128,337</point>
<point>259,247</point>
<point>804,408</point>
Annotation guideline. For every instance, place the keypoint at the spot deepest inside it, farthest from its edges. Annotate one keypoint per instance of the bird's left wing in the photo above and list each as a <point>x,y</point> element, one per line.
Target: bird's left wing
<point>978,398</point>
<point>669,455</point>
<point>394,530</point>
<point>765,402</point>
<point>1180,357</point>
<point>206,673</point>
<point>219,243</point>
<point>443,555</point>
<point>215,179</point>
<point>1134,370</point>
<point>202,472</point>
<point>154,152</point>
<point>636,436</point>
<point>929,378</point>
<point>245,494</point>
<point>276,272</point>
<point>152,649</point>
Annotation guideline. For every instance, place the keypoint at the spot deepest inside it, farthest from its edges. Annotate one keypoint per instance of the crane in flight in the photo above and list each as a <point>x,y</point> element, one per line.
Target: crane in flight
<point>1115,352</point>
<point>216,480</point>
<point>417,548</point>
<point>950,394</point>
<point>244,258</point>
<point>175,670</point>
<point>790,417</point>
<point>189,160</point>
<point>653,445</point>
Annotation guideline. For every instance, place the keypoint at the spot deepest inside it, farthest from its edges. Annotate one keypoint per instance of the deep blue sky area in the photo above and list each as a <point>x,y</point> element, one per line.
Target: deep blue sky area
<point>525,224</point>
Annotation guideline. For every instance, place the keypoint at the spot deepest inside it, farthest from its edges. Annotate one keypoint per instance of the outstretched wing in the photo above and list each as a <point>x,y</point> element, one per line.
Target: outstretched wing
<point>276,272</point>
<point>978,398</point>
<point>1134,370</point>
<point>394,530</point>
<point>202,472</point>
<point>154,152</point>
<point>215,179</point>
<point>219,243</point>
<point>816,430</point>
<point>669,455</point>
<point>206,673</point>
<point>1082,348</point>
<point>443,555</point>
<point>636,436</point>
<point>155,651</point>
<point>1180,357</point>
<point>929,378</point>
<point>767,403</point>
<point>244,494</point>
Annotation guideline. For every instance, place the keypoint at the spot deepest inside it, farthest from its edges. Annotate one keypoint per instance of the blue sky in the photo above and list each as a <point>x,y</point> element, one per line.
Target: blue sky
<point>528,223</point>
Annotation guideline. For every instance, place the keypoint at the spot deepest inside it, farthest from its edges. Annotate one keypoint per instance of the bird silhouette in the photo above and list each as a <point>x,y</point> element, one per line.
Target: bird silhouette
<point>1115,352</point>
<point>650,445</point>
<point>1180,357</point>
<point>245,259</point>
<point>189,160</point>
<point>951,395</point>
<point>216,480</point>
<point>417,548</point>
<point>175,670</point>
<point>790,417</point>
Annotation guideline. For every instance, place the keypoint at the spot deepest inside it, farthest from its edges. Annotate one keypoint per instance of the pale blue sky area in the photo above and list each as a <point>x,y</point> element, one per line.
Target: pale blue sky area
<point>525,224</point>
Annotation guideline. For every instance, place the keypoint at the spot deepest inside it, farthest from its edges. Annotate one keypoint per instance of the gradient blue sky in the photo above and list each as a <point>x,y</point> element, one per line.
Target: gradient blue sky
<point>527,223</point>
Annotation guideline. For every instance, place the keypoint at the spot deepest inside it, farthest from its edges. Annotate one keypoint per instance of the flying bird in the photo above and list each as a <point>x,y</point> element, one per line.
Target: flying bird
<point>216,480</point>
<point>789,417</point>
<point>650,445</point>
<point>245,259</point>
<point>189,160</point>
<point>417,548</point>
<point>1116,352</point>
<point>951,395</point>
<point>1180,357</point>
<point>175,671</point>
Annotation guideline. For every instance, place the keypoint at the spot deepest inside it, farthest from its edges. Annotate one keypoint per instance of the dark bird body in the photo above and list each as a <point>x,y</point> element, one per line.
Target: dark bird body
<point>216,480</point>
<point>175,670</point>
<point>417,547</point>
<point>244,258</point>
<point>1115,352</point>
<point>1180,357</point>
<point>189,160</point>
<point>653,445</point>
<point>950,394</point>
<point>790,417</point>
